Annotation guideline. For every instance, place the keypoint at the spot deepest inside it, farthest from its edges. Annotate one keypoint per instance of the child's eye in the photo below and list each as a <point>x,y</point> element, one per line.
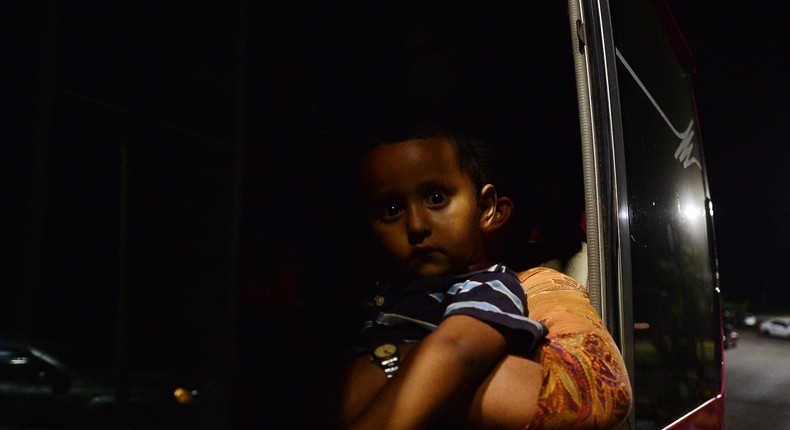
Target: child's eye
<point>386,211</point>
<point>385,208</point>
<point>436,198</point>
<point>390,211</point>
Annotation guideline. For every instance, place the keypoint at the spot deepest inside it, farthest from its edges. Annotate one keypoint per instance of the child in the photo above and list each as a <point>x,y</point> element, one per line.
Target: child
<point>448,311</point>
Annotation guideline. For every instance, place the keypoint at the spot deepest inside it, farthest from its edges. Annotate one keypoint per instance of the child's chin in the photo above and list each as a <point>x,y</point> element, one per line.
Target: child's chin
<point>429,270</point>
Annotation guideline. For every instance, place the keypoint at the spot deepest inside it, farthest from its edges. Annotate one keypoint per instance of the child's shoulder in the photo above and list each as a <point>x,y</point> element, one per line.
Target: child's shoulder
<point>498,272</point>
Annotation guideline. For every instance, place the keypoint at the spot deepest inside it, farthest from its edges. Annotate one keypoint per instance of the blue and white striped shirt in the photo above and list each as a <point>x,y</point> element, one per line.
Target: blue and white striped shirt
<point>407,313</point>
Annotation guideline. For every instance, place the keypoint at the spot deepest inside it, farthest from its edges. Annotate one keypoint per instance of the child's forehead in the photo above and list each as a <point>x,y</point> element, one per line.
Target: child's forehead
<point>437,151</point>
<point>429,144</point>
<point>410,161</point>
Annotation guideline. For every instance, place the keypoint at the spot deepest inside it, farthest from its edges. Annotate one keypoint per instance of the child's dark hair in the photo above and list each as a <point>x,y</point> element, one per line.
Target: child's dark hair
<point>474,157</point>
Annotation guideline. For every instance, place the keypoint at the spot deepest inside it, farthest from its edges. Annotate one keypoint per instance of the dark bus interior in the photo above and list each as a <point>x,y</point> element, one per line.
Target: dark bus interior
<point>174,177</point>
<point>505,75</point>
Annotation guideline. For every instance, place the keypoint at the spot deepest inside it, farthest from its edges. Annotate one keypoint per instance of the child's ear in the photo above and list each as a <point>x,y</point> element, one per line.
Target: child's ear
<point>494,210</point>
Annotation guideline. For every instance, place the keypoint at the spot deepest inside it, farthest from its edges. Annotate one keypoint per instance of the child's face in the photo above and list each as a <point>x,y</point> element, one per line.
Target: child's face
<point>422,208</point>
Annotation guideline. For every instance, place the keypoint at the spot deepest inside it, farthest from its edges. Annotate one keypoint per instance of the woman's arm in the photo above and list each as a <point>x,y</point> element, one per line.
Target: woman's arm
<point>585,381</point>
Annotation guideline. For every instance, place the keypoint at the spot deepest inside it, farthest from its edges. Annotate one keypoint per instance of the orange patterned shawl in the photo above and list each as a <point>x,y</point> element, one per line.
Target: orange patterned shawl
<point>585,382</point>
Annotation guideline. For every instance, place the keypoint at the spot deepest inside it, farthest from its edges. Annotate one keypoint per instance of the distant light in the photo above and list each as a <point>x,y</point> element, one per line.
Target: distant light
<point>184,396</point>
<point>18,360</point>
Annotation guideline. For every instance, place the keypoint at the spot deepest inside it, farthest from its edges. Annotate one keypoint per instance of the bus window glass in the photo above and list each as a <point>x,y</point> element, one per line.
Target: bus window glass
<point>677,354</point>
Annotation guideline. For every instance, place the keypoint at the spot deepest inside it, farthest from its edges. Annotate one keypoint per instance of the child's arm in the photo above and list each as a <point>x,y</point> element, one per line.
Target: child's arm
<point>448,363</point>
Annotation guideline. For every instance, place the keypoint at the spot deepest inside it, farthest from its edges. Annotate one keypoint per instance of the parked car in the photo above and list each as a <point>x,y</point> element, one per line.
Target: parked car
<point>44,385</point>
<point>778,327</point>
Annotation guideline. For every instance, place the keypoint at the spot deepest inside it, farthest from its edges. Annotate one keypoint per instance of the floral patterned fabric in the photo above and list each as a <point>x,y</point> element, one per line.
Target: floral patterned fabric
<point>585,382</point>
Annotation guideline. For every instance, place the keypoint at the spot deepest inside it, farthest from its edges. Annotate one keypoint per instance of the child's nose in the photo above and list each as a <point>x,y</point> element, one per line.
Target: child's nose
<point>416,221</point>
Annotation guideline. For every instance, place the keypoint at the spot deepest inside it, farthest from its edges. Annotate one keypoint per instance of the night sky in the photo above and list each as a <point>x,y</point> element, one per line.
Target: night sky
<point>742,54</point>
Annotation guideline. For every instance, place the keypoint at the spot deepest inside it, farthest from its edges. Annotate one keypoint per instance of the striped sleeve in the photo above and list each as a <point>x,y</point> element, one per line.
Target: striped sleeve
<point>498,299</point>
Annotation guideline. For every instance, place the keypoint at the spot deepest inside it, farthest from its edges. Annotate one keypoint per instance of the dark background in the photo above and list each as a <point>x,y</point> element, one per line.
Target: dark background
<point>173,174</point>
<point>742,99</point>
